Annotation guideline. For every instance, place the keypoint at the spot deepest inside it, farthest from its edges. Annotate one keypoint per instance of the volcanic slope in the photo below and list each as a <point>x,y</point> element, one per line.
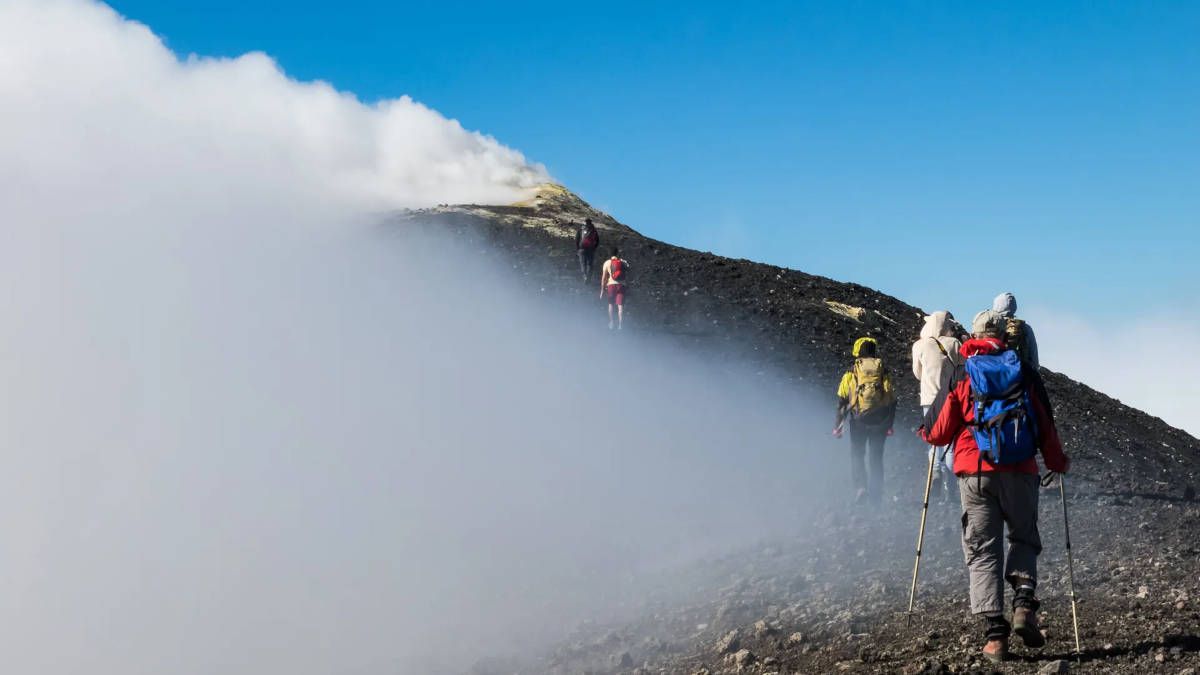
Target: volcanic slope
<point>814,605</point>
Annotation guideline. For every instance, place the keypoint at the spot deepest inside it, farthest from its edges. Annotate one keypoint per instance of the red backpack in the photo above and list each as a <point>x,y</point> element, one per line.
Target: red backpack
<point>590,239</point>
<point>616,269</point>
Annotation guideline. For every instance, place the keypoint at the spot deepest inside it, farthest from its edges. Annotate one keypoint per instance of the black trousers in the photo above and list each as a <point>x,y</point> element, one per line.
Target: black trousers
<point>864,438</point>
<point>586,256</point>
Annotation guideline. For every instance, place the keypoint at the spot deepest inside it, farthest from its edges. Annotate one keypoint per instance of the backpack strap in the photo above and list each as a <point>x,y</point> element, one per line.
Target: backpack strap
<point>854,389</point>
<point>941,347</point>
<point>1011,394</point>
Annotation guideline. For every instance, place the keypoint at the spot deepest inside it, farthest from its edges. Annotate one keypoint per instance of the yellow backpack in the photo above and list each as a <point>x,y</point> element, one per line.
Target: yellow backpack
<point>868,394</point>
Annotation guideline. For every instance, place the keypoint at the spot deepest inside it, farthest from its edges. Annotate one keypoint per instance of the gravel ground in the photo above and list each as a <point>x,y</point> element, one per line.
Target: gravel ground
<point>833,600</point>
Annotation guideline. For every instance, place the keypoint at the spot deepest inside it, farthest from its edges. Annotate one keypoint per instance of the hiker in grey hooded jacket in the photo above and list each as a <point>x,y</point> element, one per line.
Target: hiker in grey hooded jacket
<point>1006,305</point>
<point>935,355</point>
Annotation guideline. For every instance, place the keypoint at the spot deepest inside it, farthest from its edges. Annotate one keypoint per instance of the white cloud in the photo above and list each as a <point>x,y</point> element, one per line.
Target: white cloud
<point>98,101</point>
<point>1145,360</point>
<point>244,435</point>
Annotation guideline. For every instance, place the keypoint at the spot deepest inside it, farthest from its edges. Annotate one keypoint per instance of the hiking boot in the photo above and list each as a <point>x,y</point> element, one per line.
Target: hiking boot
<point>996,650</point>
<point>1025,624</point>
<point>1025,619</point>
<point>996,630</point>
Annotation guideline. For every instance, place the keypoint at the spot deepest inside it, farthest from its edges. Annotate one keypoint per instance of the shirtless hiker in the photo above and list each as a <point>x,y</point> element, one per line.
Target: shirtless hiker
<point>612,284</point>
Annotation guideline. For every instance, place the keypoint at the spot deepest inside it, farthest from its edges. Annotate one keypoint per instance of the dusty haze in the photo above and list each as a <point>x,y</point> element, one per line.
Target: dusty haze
<point>248,429</point>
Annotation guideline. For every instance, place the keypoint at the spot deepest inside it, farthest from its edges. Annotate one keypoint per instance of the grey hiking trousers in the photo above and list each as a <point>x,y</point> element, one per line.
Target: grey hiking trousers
<point>989,503</point>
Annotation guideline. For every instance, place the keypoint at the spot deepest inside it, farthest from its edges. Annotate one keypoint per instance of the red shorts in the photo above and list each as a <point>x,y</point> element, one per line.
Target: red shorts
<point>616,294</point>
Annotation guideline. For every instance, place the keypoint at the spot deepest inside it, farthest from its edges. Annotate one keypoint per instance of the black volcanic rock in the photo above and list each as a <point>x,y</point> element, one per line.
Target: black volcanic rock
<point>1135,525</point>
<point>800,325</point>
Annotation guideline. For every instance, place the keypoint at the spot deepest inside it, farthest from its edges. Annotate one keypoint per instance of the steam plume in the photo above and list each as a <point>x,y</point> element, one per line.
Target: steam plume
<point>98,101</point>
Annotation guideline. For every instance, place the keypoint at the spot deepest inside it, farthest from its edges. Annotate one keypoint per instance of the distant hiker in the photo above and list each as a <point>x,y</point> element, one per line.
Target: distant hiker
<point>613,277</point>
<point>934,357</point>
<point>587,240</point>
<point>867,403</point>
<point>1018,335</point>
<point>997,424</point>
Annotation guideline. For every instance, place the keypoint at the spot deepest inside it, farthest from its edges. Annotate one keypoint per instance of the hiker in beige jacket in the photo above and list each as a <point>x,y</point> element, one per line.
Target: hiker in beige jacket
<point>935,355</point>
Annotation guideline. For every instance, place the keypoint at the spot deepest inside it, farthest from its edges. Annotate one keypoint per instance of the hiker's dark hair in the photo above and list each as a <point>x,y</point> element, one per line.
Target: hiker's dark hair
<point>615,252</point>
<point>587,221</point>
<point>867,349</point>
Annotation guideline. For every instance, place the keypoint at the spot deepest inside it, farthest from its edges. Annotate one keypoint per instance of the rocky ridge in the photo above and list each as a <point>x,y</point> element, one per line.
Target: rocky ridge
<point>818,604</point>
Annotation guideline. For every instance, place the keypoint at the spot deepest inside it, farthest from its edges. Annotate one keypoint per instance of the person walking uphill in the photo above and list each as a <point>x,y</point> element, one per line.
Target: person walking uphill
<point>867,404</point>
<point>1018,335</point>
<point>997,424</point>
<point>613,276</point>
<point>587,240</point>
<point>934,358</point>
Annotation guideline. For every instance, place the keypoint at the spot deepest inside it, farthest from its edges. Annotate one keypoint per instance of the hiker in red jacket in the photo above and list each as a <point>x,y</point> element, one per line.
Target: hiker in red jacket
<point>995,495</point>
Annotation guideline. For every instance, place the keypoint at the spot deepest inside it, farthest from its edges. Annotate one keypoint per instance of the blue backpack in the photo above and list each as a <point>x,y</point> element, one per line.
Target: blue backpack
<point>1005,428</point>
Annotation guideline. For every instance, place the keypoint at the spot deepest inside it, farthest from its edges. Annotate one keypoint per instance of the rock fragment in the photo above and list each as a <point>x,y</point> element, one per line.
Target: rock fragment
<point>728,644</point>
<point>925,667</point>
<point>1055,668</point>
<point>763,629</point>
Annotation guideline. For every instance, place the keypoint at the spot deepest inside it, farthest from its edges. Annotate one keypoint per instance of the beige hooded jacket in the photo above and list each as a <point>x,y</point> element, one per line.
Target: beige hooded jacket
<point>933,364</point>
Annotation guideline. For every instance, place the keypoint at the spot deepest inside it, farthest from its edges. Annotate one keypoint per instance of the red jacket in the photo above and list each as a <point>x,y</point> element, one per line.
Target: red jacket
<point>951,412</point>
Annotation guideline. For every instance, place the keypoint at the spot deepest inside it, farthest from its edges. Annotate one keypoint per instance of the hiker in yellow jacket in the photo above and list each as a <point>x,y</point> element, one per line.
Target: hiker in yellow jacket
<point>867,404</point>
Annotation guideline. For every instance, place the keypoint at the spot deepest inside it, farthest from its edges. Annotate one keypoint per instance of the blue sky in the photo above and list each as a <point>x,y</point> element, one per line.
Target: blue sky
<point>939,151</point>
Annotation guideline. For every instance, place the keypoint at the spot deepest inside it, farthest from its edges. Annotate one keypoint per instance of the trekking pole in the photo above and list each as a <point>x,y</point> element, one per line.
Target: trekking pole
<point>1062,493</point>
<point>912,592</point>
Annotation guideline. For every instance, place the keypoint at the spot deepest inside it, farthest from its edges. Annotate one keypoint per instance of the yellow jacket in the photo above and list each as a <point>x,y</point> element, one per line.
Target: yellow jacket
<point>848,384</point>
